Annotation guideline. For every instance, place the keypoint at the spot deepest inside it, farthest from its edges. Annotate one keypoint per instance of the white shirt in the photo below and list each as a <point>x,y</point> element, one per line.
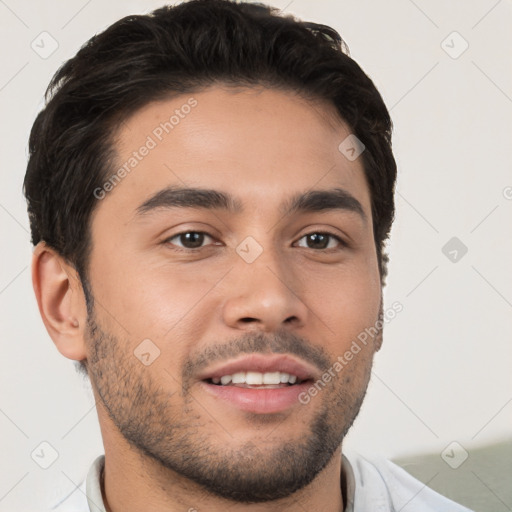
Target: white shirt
<point>375,485</point>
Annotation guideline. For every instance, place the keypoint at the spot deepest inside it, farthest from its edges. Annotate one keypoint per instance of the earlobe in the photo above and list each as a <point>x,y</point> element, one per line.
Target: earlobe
<point>60,300</point>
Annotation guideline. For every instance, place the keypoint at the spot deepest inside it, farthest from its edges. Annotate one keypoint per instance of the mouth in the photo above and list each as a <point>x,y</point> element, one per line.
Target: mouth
<point>258,383</point>
<point>257,380</point>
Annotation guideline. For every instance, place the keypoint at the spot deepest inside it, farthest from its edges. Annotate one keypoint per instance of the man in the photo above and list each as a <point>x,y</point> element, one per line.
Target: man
<point>210,188</point>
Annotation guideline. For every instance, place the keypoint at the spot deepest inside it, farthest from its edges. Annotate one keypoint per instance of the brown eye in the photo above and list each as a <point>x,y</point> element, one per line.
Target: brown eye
<point>188,239</point>
<point>321,241</point>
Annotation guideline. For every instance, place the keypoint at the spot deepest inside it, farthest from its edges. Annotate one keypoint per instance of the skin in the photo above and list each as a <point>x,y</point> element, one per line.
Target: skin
<point>262,146</point>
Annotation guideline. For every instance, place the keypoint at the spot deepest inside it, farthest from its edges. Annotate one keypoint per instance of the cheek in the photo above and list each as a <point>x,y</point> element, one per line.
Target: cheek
<point>347,300</point>
<point>152,301</point>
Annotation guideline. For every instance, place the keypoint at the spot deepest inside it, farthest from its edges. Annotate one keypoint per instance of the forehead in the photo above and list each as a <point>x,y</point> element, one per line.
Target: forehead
<point>260,145</point>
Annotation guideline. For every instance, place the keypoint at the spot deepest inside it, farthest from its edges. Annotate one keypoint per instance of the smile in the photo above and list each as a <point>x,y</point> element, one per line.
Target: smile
<point>259,383</point>
<point>257,379</point>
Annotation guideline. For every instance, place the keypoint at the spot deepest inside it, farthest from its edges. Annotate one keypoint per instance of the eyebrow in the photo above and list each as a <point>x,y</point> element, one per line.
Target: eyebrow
<point>209,199</point>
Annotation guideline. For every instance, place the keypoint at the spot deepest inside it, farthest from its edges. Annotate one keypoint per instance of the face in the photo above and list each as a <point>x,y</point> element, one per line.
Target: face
<point>217,312</point>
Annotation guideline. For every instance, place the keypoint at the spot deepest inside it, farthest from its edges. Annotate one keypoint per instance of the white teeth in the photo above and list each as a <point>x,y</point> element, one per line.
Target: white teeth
<point>238,378</point>
<point>256,378</point>
<point>271,378</point>
<point>225,379</point>
<point>253,378</point>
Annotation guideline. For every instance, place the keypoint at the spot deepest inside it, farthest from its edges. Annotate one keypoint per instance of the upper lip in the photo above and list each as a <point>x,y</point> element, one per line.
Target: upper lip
<point>285,363</point>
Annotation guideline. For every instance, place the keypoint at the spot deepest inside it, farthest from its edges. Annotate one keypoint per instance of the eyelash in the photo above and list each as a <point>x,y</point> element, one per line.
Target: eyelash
<point>342,243</point>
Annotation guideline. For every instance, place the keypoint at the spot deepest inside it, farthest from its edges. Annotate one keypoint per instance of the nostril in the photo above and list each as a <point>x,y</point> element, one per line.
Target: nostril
<point>248,319</point>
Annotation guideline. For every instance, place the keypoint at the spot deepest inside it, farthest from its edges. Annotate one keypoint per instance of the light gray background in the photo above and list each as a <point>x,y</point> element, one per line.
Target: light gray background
<point>444,373</point>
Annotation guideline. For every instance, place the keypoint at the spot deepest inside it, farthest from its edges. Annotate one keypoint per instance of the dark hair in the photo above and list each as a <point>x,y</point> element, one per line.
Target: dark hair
<point>181,49</point>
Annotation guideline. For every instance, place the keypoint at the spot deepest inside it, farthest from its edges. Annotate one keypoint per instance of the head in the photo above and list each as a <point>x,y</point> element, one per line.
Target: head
<point>208,182</point>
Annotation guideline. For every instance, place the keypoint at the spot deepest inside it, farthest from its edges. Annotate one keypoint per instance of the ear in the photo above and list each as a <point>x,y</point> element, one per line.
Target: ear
<point>61,301</point>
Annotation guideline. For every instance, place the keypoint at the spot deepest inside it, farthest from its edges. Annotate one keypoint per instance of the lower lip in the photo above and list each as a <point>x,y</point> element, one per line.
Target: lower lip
<point>260,401</point>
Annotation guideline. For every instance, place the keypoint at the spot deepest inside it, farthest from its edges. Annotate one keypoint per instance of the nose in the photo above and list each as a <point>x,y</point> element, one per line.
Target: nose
<point>264,295</point>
